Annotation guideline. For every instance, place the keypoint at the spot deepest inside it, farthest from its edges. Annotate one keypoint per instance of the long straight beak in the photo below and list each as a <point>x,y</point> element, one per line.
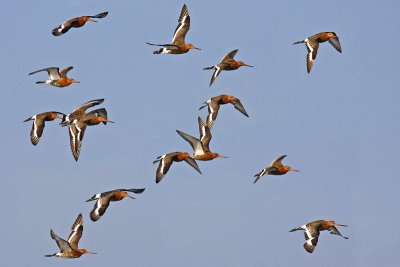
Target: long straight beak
<point>248,66</point>
<point>89,252</point>
<point>92,20</point>
<point>130,196</point>
<point>224,157</point>
<point>338,224</point>
<point>293,170</point>
<point>196,48</point>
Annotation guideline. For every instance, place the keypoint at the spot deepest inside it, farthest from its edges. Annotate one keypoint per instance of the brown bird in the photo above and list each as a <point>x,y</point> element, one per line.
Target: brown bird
<point>214,104</point>
<point>39,124</point>
<point>103,200</point>
<point>178,45</point>
<point>76,23</point>
<point>312,44</point>
<point>312,230</point>
<point>227,63</point>
<point>201,147</point>
<point>69,249</point>
<point>275,168</point>
<point>78,120</point>
<point>166,161</point>
<point>56,77</point>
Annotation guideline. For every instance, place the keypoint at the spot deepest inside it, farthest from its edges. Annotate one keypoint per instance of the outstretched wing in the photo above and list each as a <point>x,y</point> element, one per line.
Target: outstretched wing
<point>89,104</point>
<point>238,105</point>
<point>194,142</point>
<point>205,134</point>
<point>278,162</point>
<point>53,72</point>
<point>63,73</point>
<point>183,26</point>
<point>192,163</point>
<point>163,166</point>
<point>230,55</point>
<point>98,16</point>
<point>76,234</point>
<point>311,235</point>
<point>101,206</point>
<point>334,231</point>
<point>336,44</point>
<point>76,133</point>
<point>312,48</point>
<point>61,243</point>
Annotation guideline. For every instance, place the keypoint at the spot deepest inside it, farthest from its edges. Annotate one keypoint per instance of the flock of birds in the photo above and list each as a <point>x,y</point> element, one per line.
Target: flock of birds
<point>79,119</point>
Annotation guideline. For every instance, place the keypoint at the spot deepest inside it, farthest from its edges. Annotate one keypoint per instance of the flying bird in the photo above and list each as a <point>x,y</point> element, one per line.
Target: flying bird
<point>78,120</point>
<point>227,63</point>
<point>312,44</point>
<point>103,200</point>
<point>166,160</point>
<point>214,104</point>
<point>76,23</point>
<point>69,248</point>
<point>178,45</point>
<point>201,147</point>
<point>275,168</point>
<point>56,77</point>
<point>312,230</point>
<point>39,124</point>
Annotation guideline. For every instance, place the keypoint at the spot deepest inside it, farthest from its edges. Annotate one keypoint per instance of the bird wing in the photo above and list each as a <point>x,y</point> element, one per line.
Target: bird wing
<point>334,231</point>
<point>238,105</point>
<point>133,190</point>
<point>312,48</point>
<point>336,44</point>
<point>213,108</point>
<point>53,72</point>
<point>217,71</point>
<point>76,234</point>
<point>101,206</point>
<point>63,245</point>
<point>98,16</point>
<point>183,26</point>
<point>76,133</point>
<point>164,165</point>
<point>194,142</point>
<point>311,235</point>
<point>63,28</point>
<point>230,55</point>
<point>278,162</point>
<point>192,163</point>
<point>37,129</point>
<point>63,73</point>
<point>205,134</point>
<point>89,104</point>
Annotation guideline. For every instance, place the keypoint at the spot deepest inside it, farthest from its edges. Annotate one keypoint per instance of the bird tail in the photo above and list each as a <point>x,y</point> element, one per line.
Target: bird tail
<point>299,42</point>
<point>209,68</point>
<point>51,255</point>
<point>258,177</point>
<point>296,229</point>
<point>40,82</point>
<point>157,160</point>
<point>157,52</point>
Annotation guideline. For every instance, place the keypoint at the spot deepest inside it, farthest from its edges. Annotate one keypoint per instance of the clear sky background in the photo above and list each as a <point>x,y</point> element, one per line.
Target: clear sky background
<point>339,125</point>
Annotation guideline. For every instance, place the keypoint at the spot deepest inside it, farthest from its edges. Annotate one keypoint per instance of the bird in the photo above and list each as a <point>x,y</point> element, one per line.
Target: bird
<point>103,200</point>
<point>166,160</point>
<point>56,77</point>
<point>275,168</point>
<point>78,120</point>
<point>69,248</point>
<point>39,124</point>
<point>227,63</point>
<point>76,23</point>
<point>178,45</point>
<point>312,44</point>
<point>201,147</point>
<point>214,104</point>
<point>312,230</point>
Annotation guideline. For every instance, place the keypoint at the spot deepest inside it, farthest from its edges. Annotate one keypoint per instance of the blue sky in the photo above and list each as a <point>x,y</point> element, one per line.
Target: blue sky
<point>338,125</point>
